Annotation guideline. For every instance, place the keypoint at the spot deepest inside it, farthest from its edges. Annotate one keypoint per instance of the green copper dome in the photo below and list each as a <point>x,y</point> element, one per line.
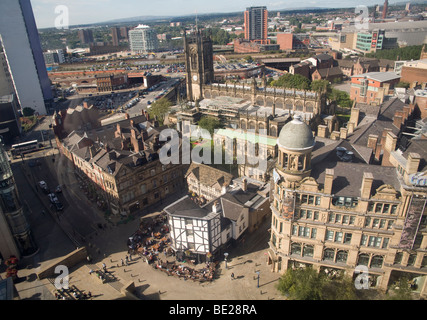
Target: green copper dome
<point>296,135</point>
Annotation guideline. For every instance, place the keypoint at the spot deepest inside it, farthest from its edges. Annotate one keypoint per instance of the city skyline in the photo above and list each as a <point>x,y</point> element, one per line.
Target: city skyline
<point>81,12</point>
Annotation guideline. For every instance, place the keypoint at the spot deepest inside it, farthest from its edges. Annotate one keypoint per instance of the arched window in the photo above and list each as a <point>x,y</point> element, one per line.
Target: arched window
<point>363,259</point>
<point>296,248</point>
<point>273,131</point>
<point>342,256</point>
<point>329,254</point>
<point>308,251</point>
<point>377,262</point>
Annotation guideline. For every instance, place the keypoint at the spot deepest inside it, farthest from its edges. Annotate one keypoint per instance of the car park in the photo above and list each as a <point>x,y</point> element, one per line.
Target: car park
<point>53,198</point>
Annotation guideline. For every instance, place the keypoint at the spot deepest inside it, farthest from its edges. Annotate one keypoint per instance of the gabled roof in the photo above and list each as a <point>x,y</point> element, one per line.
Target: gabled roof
<point>209,176</point>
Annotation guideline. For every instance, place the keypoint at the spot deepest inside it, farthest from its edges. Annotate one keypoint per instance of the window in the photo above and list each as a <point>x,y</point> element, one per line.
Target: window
<point>377,262</point>
<point>342,256</point>
<point>308,251</point>
<point>393,209</point>
<point>143,188</point>
<point>411,259</point>
<point>347,238</point>
<point>385,243</point>
<point>329,235</point>
<point>398,258</point>
<point>338,237</point>
<point>294,230</point>
<point>154,183</point>
<point>329,254</point>
<point>296,248</point>
<point>363,259</point>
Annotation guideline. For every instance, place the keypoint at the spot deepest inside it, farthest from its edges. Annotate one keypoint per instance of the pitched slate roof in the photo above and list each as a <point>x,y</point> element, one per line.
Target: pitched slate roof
<point>209,176</point>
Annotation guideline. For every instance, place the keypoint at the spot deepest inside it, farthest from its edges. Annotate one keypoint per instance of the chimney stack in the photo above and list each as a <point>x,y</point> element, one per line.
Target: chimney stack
<point>368,178</point>
<point>329,179</point>
<point>245,184</point>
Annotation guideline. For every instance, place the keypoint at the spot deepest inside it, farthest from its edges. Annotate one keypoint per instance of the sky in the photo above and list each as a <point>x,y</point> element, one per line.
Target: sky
<point>46,12</point>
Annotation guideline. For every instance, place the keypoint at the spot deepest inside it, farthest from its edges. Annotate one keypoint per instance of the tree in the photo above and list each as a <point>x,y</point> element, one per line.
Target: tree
<point>28,112</point>
<point>400,290</point>
<point>159,109</point>
<point>403,84</point>
<point>301,284</point>
<point>342,289</point>
<point>295,81</point>
<point>209,123</point>
<point>321,86</point>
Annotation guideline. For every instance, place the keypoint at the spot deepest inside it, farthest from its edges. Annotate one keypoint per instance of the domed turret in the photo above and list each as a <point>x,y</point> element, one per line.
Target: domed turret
<point>295,144</point>
<point>296,135</point>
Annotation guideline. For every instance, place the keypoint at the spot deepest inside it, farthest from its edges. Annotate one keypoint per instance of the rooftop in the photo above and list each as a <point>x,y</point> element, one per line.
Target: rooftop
<point>379,76</point>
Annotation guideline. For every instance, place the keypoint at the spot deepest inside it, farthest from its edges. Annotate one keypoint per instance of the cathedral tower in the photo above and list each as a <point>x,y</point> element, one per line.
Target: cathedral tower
<point>199,63</point>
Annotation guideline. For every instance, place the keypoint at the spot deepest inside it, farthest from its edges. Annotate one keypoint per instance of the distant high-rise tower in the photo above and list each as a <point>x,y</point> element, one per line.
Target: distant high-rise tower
<point>256,19</point>
<point>115,35</point>
<point>85,36</point>
<point>385,8</point>
<point>24,55</point>
<point>143,39</point>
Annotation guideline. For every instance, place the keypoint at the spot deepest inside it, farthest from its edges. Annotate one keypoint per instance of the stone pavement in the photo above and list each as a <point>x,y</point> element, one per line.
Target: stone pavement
<point>157,285</point>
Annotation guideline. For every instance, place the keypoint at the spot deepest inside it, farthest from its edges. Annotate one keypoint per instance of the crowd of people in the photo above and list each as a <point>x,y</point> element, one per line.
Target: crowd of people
<point>152,238</point>
<point>72,293</point>
<point>184,272</point>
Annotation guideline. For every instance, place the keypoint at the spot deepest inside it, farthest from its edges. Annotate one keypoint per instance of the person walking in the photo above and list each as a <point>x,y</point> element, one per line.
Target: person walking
<point>104,267</point>
<point>122,262</point>
<point>232,276</point>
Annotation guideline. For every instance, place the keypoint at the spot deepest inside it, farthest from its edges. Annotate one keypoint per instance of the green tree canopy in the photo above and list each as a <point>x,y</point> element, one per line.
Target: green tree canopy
<point>301,284</point>
<point>209,123</point>
<point>308,284</point>
<point>320,86</point>
<point>400,290</point>
<point>295,81</point>
<point>28,112</point>
<point>404,53</point>
<point>159,109</point>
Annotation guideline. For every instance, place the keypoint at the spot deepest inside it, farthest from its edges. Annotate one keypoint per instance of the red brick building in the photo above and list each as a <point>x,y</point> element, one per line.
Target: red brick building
<point>371,87</point>
<point>256,19</point>
<point>414,72</point>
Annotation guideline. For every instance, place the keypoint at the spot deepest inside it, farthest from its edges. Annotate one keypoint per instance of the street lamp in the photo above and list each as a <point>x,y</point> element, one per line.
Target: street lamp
<point>226,255</point>
<point>257,272</point>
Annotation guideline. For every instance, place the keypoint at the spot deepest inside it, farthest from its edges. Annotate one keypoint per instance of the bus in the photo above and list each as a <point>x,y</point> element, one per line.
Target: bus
<point>24,147</point>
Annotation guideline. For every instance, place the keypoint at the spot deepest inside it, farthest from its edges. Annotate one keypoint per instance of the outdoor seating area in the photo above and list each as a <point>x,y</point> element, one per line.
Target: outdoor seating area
<point>150,239</point>
<point>72,293</point>
<point>183,272</point>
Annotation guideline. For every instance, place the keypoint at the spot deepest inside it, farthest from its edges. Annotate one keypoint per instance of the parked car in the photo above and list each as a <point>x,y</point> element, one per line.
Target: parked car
<point>58,189</point>
<point>43,186</point>
<point>53,198</point>
<point>58,206</point>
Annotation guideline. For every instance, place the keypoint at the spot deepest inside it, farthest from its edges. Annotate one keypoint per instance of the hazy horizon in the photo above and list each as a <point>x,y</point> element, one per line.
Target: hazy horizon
<point>81,11</point>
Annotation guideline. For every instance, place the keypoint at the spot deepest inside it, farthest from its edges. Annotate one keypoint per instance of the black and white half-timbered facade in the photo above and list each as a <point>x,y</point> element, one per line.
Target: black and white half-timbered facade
<point>201,231</point>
